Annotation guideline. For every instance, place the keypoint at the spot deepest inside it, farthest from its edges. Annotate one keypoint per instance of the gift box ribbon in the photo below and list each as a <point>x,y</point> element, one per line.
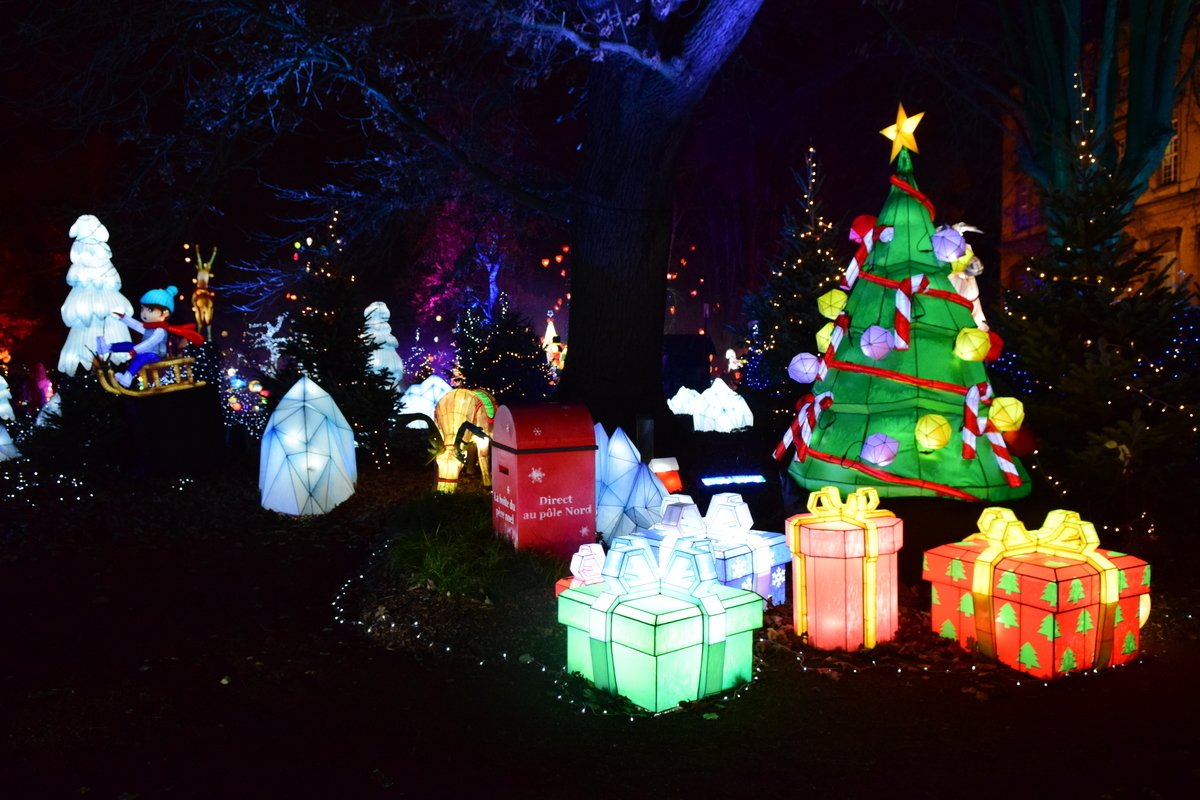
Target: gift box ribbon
<point>1064,535</point>
<point>860,509</point>
<point>685,570</point>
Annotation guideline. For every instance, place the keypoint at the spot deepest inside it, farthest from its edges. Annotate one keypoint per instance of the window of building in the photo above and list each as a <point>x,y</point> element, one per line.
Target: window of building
<point>1168,172</point>
<point>1025,209</point>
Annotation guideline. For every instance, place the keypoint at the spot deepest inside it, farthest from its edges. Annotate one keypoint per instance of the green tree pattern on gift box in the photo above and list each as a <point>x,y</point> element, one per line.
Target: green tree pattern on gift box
<point>955,569</point>
<point>1049,628</point>
<point>966,606</point>
<point>948,631</point>
<point>1050,595</point>
<point>1009,582</point>
<point>902,303</point>
<point>1084,623</point>
<point>1118,617</point>
<point>1068,662</point>
<point>1122,580</point>
<point>1129,646</point>
<point>934,600</point>
<point>1007,616</point>
<point>1146,577</point>
<point>1028,657</point>
<point>1076,592</point>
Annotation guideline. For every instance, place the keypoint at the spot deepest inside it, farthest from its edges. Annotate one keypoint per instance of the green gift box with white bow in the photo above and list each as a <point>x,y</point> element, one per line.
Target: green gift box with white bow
<point>660,629</point>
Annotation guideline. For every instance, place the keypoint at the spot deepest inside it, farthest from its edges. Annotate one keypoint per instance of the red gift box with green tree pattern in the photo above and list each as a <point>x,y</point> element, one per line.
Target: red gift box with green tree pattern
<point>1047,602</point>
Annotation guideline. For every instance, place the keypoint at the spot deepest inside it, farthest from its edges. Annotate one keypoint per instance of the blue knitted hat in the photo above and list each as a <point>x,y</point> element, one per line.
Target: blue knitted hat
<point>161,297</point>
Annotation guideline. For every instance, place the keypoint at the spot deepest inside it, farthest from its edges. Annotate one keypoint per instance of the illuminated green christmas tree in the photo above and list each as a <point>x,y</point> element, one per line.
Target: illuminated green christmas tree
<point>900,397</point>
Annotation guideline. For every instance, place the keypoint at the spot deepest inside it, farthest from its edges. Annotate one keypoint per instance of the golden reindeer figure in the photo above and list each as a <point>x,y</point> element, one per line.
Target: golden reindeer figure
<point>202,296</point>
<point>456,414</point>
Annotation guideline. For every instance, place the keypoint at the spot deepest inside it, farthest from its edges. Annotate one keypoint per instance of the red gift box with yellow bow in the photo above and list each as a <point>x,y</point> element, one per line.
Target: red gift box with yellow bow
<point>844,569</point>
<point>1047,602</point>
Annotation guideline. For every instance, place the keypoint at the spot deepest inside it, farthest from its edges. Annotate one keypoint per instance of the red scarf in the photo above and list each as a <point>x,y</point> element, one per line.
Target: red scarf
<point>179,330</point>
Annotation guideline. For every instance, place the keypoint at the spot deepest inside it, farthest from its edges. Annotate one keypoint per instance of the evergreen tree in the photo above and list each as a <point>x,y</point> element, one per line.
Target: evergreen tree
<point>500,352</point>
<point>329,345</point>
<point>782,316</point>
<point>904,351</point>
<point>1104,352</point>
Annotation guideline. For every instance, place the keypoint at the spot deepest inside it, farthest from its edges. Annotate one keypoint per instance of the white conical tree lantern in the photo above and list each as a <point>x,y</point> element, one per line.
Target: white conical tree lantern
<point>94,296</point>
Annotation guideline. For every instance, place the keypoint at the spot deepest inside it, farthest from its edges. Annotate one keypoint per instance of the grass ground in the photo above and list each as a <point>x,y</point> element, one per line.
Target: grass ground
<point>179,641</point>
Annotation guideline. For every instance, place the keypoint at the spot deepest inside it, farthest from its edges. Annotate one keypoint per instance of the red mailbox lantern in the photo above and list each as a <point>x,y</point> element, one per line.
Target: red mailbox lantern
<point>544,477</point>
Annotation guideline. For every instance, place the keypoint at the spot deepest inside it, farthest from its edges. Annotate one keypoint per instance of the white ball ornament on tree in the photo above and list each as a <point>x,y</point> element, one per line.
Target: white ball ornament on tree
<point>876,342</point>
<point>804,368</point>
<point>880,449</point>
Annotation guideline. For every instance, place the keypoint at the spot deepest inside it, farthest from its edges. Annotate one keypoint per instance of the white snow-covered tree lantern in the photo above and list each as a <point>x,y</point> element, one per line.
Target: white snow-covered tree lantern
<point>378,331</point>
<point>94,296</point>
<point>6,409</point>
<point>307,463</point>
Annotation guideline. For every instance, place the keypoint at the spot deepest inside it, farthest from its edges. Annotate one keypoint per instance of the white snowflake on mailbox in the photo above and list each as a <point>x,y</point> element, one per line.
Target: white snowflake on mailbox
<point>536,475</point>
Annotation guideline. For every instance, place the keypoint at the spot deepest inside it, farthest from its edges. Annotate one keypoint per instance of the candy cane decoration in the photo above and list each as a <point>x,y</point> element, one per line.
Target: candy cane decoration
<point>864,231</point>
<point>904,293</point>
<point>974,425</point>
<point>799,433</point>
<point>840,326</point>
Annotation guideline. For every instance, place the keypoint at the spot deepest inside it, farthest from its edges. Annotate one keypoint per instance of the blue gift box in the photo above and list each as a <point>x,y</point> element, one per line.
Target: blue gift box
<point>756,561</point>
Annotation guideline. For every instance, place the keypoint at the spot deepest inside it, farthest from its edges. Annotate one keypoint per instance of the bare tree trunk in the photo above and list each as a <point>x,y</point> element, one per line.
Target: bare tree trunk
<point>621,224</point>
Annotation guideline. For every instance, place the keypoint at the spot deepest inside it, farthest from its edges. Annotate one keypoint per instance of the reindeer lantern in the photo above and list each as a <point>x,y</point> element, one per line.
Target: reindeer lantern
<point>202,296</point>
<point>462,416</point>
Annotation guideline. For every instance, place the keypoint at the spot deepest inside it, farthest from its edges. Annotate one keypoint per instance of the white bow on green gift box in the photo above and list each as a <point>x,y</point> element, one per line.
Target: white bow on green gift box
<point>684,569</point>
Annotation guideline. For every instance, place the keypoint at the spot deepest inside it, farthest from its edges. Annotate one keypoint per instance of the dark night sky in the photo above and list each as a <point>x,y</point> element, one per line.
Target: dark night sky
<point>799,79</point>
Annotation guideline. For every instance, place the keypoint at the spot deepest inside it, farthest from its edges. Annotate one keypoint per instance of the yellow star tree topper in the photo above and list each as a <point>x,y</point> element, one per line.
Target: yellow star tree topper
<point>901,133</point>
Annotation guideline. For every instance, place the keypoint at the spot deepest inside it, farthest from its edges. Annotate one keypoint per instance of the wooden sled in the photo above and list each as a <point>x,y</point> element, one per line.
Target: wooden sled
<point>179,374</point>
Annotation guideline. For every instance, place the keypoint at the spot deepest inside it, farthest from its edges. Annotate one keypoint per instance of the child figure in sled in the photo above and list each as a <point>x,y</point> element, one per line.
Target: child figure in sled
<point>157,305</point>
